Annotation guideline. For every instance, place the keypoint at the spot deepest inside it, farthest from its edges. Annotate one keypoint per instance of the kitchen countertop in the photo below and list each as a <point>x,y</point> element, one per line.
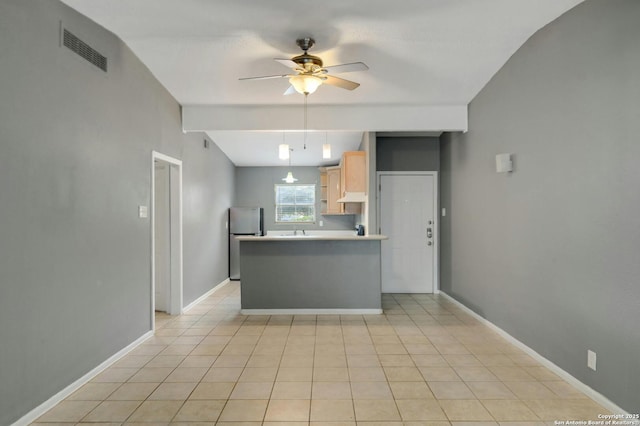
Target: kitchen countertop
<point>312,237</point>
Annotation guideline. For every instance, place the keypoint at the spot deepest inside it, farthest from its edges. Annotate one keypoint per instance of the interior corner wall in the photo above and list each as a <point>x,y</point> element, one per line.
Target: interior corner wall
<point>75,164</point>
<point>549,252</point>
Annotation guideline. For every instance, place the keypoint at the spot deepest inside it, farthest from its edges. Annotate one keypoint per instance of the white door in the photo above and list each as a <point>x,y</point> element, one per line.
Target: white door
<point>166,240</point>
<point>162,224</point>
<point>408,217</point>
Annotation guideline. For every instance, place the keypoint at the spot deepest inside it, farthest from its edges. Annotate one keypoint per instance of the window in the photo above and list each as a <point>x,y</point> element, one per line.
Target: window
<point>295,203</point>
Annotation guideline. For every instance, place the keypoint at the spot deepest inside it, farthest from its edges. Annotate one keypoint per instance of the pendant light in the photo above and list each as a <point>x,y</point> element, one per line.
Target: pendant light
<point>289,178</point>
<point>283,150</point>
<point>326,148</point>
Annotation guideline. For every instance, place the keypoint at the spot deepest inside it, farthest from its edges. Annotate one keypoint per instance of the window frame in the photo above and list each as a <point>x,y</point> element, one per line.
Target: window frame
<point>278,205</point>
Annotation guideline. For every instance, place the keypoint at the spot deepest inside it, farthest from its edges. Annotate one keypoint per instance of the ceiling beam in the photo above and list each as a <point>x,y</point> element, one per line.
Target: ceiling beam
<point>379,118</point>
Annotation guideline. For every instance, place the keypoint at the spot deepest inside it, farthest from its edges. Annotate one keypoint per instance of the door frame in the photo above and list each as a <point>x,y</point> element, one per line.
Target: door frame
<point>436,221</point>
<point>176,280</point>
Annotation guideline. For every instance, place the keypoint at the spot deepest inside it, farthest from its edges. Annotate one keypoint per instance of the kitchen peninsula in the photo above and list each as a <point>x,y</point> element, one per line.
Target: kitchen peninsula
<point>314,274</point>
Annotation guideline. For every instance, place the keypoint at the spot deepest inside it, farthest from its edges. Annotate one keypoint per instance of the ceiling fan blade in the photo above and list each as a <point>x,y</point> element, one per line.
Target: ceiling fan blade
<point>265,77</point>
<point>354,66</point>
<point>287,63</point>
<point>340,82</point>
<point>290,91</point>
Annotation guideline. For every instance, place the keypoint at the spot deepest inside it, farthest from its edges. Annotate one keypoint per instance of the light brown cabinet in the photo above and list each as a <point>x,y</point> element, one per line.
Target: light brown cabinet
<point>353,172</point>
<point>323,190</point>
<point>336,181</point>
<point>353,178</point>
<point>334,190</point>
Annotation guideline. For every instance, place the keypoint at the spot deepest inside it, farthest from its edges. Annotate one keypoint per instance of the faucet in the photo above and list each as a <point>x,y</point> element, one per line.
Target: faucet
<point>295,232</point>
<point>303,232</point>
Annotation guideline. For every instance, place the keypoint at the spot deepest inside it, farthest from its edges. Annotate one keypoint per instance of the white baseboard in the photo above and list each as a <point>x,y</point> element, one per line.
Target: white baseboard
<point>51,402</point>
<point>310,311</point>
<point>590,392</point>
<point>204,296</point>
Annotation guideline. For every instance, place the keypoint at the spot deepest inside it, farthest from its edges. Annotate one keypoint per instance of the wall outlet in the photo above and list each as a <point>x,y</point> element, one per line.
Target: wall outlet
<point>444,211</point>
<point>321,223</point>
<point>591,360</point>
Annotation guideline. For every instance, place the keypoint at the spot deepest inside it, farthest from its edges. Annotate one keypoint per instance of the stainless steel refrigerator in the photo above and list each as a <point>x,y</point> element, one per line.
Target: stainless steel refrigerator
<point>242,221</point>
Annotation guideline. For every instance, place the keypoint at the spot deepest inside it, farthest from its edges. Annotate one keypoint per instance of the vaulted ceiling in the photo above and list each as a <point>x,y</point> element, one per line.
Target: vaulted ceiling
<point>427,60</point>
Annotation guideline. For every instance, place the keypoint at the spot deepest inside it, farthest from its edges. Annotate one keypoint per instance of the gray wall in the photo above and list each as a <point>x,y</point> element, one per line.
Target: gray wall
<point>255,188</point>
<point>549,252</point>
<point>208,193</point>
<point>407,153</point>
<point>75,164</point>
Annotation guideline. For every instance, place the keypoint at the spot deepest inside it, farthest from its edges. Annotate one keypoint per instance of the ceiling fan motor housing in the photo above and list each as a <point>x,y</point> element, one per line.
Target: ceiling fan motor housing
<point>306,61</point>
<point>309,72</point>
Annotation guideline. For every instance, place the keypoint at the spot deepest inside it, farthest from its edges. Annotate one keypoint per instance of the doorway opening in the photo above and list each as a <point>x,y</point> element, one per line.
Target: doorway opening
<point>407,214</point>
<point>166,235</point>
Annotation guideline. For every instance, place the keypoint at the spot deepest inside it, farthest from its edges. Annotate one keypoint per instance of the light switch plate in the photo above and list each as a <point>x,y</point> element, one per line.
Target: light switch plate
<point>143,212</point>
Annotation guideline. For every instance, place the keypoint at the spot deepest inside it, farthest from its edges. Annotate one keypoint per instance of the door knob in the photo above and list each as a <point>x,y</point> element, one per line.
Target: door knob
<point>429,243</point>
<point>429,234</point>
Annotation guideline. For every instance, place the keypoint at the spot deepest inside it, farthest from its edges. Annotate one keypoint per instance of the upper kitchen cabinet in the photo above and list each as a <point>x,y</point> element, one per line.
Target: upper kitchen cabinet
<point>353,172</point>
<point>334,191</point>
<point>353,178</point>
<point>353,181</point>
<point>345,184</point>
<point>323,189</point>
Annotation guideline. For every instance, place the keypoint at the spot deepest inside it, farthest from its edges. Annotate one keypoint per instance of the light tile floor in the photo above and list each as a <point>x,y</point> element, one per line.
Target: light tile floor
<point>423,362</point>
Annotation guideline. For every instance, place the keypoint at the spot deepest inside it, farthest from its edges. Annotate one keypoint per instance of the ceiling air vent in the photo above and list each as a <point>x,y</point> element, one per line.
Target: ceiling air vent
<point>83,49</point>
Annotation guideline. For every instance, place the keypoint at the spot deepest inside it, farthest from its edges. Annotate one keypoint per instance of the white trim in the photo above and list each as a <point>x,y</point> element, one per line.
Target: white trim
<point>163,157</point>
<point>436,217</point>
<point>176,294</point>
<point>588,391</point>
<point>57,398</point>
<point>310,311</point>
<point>204,296</point>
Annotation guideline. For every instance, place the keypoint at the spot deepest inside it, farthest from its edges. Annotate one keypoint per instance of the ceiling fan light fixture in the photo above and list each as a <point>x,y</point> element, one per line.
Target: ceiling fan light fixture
<point>305,84</point>
<point>326,151</point>
<point>283,151</point>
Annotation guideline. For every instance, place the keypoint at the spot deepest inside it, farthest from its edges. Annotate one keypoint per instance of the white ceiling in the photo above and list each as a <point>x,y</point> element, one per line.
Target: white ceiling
<point>261,148</point>
<point>423,55</point>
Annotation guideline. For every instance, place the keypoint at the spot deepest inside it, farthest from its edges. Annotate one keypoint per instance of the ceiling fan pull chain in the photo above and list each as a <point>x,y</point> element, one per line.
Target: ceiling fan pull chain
<point>305,120</point>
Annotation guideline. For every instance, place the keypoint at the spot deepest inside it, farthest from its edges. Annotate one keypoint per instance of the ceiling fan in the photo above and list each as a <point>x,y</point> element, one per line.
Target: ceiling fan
<point>309,72</point>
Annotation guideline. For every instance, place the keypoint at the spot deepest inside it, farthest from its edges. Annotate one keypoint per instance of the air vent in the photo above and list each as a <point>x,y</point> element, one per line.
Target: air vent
<point>84,50</point>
